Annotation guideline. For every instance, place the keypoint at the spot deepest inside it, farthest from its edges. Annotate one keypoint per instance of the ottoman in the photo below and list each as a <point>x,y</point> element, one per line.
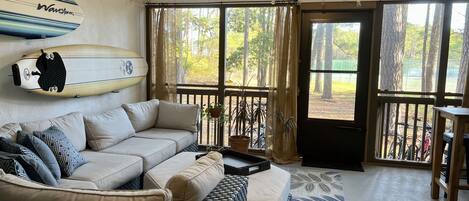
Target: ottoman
<point>272,184</point>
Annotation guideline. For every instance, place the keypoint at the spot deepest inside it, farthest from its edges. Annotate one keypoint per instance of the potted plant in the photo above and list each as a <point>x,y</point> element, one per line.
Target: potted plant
<point>214,110</point>
<point>245,117</point>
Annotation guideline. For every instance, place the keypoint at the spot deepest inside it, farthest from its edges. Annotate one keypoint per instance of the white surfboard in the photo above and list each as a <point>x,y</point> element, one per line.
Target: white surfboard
<point>35,19</point>
<point>79,70</point>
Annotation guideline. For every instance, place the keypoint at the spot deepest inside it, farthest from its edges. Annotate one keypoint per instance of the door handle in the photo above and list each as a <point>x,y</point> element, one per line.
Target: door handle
<point>350,128</point>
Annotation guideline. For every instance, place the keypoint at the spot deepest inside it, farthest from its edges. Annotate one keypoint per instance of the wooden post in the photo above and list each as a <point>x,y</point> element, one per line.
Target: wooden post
<point>437,153</point>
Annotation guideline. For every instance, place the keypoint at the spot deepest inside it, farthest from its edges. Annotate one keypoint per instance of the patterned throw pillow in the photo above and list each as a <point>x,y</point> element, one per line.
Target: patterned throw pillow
<point>42,150</point>
<point>11,166</point>
<point>35,168</point>
<point>66,154</point>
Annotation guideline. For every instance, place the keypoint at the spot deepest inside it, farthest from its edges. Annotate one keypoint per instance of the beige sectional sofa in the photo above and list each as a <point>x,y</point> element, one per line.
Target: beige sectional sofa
<point>122,144</point>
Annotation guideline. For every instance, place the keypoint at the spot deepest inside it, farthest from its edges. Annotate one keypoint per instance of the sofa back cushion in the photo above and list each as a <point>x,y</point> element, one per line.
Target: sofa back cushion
<point>108,128</point>
<point>198,180</point>
<point>177,116</point>
<point>142,115</point>
<point>72,125</point>
<point>15,188</point>
<point>9,131</point>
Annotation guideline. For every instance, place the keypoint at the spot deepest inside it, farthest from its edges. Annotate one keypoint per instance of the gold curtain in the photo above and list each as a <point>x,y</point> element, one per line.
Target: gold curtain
<point>283,87</point>
<point>161,78</point>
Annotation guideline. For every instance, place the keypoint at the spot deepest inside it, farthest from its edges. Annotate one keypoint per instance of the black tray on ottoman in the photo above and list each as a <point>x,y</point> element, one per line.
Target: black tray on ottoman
<point>237,163</point>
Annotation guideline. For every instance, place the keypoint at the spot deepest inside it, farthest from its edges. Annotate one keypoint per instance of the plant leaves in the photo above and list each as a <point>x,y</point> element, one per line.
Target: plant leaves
<point>324,188</point>
<point>314,177</point>
<point>309,187</point>
<point>326,177</point>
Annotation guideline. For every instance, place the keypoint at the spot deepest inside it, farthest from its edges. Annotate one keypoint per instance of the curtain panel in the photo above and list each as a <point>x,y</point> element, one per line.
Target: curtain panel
<point>283,87</point>
<point>162,74</point>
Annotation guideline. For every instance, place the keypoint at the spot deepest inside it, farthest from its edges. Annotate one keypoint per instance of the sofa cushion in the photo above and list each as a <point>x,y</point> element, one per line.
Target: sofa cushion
<point>12,166</point>
<point>108,128</point>
<point>71,125</point>
<point>35,168</point>
<point>41,149</point>
<point>14,188</point>
<point>108,171</point>
<point>182,138</point>
<point>152,151</point>
<point>9,131</point>
<point>197,181</point>
<point>65,153</point>
<point>177,116</point>
<point>76,184</point>
<point>142,115</point>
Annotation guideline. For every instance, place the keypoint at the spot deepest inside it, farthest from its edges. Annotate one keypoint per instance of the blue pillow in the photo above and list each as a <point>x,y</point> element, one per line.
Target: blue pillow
<point>35,168</point>
<point>66,154</point>
<point>12,166</point>
<point>42,150</point>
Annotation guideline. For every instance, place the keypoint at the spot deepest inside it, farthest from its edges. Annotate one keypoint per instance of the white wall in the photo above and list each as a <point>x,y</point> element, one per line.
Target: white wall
<point>118,23</point>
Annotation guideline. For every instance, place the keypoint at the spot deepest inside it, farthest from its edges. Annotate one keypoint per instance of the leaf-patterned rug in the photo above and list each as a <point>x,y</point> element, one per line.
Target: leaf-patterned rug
<point>315,185</point>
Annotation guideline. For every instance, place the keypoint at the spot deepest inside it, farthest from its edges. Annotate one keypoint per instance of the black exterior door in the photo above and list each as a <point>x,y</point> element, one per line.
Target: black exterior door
<point>333,82</point>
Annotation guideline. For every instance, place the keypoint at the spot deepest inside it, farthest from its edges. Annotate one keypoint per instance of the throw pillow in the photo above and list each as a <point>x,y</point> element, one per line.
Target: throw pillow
<point>42,150</point>
<point>142,115</point>
<point>66,154</point>
<point>197,181</point>
<point>12,166</point>
<point>108,128</point>
<point>35,168</point>
<point>9,131</point>
<point>178,116</point>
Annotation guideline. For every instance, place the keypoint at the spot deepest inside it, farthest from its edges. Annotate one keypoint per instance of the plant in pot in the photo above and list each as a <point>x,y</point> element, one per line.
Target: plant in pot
<point>214,111</point>
<point>244,122</point>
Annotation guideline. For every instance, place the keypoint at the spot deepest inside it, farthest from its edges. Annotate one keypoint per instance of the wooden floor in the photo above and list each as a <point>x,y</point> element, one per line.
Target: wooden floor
<point>390,184</point>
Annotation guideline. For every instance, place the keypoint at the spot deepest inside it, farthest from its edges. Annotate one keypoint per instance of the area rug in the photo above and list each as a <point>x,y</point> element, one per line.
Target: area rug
<point>310,184</point>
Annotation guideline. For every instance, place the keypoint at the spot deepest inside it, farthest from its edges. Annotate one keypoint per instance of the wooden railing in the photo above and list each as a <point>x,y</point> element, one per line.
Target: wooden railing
<point>216,131</point>
<point>404,125</point>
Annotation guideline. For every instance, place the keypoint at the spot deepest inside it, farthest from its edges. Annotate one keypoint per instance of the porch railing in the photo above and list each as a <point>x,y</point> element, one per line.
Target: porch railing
<point>405,124</point>
<point>217,132</point>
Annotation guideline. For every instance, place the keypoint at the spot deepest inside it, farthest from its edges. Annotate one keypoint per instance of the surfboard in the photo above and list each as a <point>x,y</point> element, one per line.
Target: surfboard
<point>79,70</point>
<point>34,19</point>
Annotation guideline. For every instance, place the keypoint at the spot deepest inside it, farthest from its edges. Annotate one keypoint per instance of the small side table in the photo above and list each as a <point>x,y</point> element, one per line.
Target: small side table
<point>459,116</point>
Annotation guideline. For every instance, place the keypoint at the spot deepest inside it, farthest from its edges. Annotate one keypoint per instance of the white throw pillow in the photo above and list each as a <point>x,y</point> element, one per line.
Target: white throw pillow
<point>177,116</point>
<point>9,131</point>
<point>142,115</point>
<point>72,125</point>
<point>108,128</point>
<point>198,180</point>
<point>15,188</point>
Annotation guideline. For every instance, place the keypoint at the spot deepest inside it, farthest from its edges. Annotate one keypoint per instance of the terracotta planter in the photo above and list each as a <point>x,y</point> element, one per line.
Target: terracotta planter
<point>215,113</point>
<point>239,143</point>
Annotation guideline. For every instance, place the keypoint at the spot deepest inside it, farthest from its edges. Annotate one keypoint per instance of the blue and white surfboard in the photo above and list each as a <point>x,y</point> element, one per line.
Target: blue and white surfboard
<point>35,19</point>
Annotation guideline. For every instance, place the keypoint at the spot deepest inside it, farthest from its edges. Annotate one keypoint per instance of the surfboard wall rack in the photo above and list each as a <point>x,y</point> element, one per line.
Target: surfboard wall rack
<point>79,70</point>
<point>38,19</point>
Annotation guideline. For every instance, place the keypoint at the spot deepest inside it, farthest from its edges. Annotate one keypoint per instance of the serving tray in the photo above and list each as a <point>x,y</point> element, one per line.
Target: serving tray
<point>237,163</point>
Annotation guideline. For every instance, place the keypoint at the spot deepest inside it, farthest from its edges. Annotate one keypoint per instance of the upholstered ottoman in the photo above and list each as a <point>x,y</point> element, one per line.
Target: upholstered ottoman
<point>272,185</point>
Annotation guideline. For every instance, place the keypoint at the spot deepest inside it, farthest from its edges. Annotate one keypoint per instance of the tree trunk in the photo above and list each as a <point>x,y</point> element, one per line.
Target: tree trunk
<point>316,56</point>
<point>434,49</point>
<point>327,92</point>
<point>392,54</point>
<point>392,48</point>
<point>424,49</point>
<point>262,60</point>
<point>246,45</point>
<point>464,63</point>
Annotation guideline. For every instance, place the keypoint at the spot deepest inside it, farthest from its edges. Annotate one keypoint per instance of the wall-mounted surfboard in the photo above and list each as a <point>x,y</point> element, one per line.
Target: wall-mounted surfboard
<point>35,19</point>
<point>79,70</point>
